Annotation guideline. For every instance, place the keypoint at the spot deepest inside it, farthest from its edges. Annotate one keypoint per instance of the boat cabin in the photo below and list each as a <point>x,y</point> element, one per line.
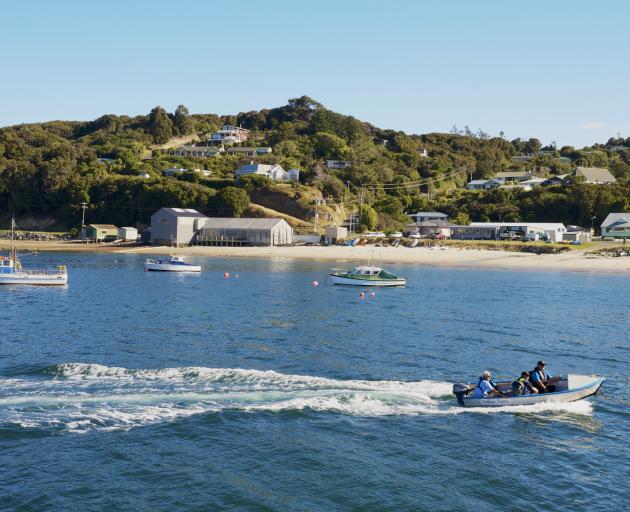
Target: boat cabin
<point>7,265</point>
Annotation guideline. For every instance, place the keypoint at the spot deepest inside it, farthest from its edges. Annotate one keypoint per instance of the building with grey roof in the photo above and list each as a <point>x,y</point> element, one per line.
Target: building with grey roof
<point>616,225</point>
<point>245,231</point>
<point>175,226</point>
<point>595,175</point>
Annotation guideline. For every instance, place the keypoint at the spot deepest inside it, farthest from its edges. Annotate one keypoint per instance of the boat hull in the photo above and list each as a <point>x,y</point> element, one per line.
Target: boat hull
<point>165,267</point>
<point>34,280</point>
<point>348,281</point>
<point>569,395</point>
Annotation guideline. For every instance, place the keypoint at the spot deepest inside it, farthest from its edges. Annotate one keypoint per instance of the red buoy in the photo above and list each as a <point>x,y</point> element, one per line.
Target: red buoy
<point>226,275</point>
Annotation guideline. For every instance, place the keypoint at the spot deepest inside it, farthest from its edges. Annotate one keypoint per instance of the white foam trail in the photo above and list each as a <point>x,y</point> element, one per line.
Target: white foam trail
<point>82,397</point>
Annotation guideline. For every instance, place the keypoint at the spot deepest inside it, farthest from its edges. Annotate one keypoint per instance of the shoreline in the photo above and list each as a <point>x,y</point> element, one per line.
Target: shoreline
<point>576,261</point>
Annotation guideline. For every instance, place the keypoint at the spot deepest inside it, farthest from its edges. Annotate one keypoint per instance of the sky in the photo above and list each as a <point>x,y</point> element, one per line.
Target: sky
<point>556,70</point>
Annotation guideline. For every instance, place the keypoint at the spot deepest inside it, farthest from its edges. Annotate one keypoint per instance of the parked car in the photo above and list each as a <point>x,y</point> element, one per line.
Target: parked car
<point>396,234</point>
<point>415,236</point>
<point>438,236</point>
<point>575,242</point>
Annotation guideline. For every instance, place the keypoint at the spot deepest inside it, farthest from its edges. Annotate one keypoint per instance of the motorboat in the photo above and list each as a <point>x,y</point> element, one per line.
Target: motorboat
<point>568,389</point>
<point>367,276</point>
<point>170,264</point>
<point>12,271</point>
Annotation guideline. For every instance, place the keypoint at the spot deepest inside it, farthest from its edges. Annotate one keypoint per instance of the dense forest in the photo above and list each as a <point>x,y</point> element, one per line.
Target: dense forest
<point>48,169</point>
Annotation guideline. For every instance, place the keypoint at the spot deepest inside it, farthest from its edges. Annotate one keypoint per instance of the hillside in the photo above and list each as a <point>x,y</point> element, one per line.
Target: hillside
<point>115,164</point>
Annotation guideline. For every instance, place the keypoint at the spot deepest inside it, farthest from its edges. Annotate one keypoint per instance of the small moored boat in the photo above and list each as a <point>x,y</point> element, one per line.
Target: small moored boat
<point>12,271</point>
<point>170,264</point>
<point>568,389</point>
<point>367,276</point>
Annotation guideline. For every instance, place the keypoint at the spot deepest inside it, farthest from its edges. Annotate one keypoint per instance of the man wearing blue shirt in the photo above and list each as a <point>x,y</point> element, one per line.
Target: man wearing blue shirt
<point>541,380</point>
<point>486,388</point>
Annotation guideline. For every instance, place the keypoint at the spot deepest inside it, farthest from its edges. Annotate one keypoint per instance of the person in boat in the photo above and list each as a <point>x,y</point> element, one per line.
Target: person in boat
<point>522,385</point>
<point>485,387</point>
<point>541,380</point>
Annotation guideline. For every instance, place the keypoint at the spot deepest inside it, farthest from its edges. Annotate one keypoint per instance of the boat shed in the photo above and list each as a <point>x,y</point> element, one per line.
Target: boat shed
<point>245,231</point>
<point>177,226</point>
<point>127,234</point>
<point>101,232</point>
<point>335,234</point>
<point>616,225</point>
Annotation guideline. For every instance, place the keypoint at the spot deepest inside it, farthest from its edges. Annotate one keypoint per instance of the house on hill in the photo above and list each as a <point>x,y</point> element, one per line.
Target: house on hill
<point>274,172</point>
<point>248,151</point>
<point>229,135</point>
<point>616,225</point>
<point>483,184</point>
<point>595,175</point>
<point>192,151</point>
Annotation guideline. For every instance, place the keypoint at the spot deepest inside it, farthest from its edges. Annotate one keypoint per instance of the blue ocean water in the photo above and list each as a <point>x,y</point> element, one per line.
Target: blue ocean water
<point>129,390</point>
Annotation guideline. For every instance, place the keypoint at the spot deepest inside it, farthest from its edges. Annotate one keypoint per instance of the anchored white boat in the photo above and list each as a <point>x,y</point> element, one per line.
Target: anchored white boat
<point>12,272</point>
<point>170,264</point>
<point>568,389</point>
<point>367,276</point>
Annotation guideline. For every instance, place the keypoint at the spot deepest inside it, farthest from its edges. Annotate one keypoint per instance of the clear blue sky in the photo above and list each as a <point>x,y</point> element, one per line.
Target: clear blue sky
<point>557,70</point>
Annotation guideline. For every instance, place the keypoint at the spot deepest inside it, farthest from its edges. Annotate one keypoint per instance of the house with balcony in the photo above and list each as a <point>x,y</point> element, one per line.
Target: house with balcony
<point>616,225</point>
<point>229,135</point>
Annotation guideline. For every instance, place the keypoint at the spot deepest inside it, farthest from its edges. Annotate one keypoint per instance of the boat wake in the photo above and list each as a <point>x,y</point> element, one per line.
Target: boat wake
<point>77,397</point>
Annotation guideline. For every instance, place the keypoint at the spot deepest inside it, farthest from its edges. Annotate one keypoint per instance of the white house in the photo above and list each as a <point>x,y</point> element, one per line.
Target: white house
<point>423,153</point>
<point>175,226</point>
<point>274,172</point>
<point>244,231</point>
<point>338,164</point>
<point>483,184</point>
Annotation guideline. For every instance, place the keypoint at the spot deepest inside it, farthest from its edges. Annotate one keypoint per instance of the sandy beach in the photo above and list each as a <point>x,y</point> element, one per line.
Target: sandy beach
<point>577,261</point>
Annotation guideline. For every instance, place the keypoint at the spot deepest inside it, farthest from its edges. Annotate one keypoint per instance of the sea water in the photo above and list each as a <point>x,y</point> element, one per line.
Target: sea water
<point>132,390</point>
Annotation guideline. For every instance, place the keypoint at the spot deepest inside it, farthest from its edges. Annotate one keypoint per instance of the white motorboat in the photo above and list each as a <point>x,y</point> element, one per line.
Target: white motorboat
<point>170,264</point>
<point>12,271</point>
<point>367,276</point>
<point>568,389</point>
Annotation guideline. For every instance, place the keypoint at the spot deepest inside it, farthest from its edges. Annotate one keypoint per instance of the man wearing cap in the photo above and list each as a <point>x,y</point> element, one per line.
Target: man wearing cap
<point>541,380</point>
<point>486,388</point>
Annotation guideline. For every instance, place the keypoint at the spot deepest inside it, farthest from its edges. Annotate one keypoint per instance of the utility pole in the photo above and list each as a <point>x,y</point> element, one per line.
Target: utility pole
<point>316,215</point>
<point>84,206</point>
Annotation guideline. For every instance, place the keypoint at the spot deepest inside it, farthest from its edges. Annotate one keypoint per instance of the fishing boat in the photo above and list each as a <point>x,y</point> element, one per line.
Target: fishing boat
<point>12,271</point>
<point>367,276</point>
<point>170,264</point>
<point>568,389</point>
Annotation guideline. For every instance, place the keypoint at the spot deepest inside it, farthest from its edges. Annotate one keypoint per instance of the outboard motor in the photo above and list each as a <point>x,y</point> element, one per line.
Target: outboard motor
<point>459,390</point>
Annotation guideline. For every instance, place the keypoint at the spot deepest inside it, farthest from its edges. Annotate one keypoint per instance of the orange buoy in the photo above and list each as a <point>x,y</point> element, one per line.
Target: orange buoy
<point>362,295</point>
<point>226,275</point>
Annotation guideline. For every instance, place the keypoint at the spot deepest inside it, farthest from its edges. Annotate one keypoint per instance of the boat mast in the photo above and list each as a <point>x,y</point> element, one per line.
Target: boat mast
<point>13,254</point>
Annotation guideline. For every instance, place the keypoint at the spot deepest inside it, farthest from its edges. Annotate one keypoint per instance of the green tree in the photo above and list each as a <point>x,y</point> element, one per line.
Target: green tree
<point>368,216</point>
<point>182,124</point>
<point>233,200</point>
<point>159,125</point>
